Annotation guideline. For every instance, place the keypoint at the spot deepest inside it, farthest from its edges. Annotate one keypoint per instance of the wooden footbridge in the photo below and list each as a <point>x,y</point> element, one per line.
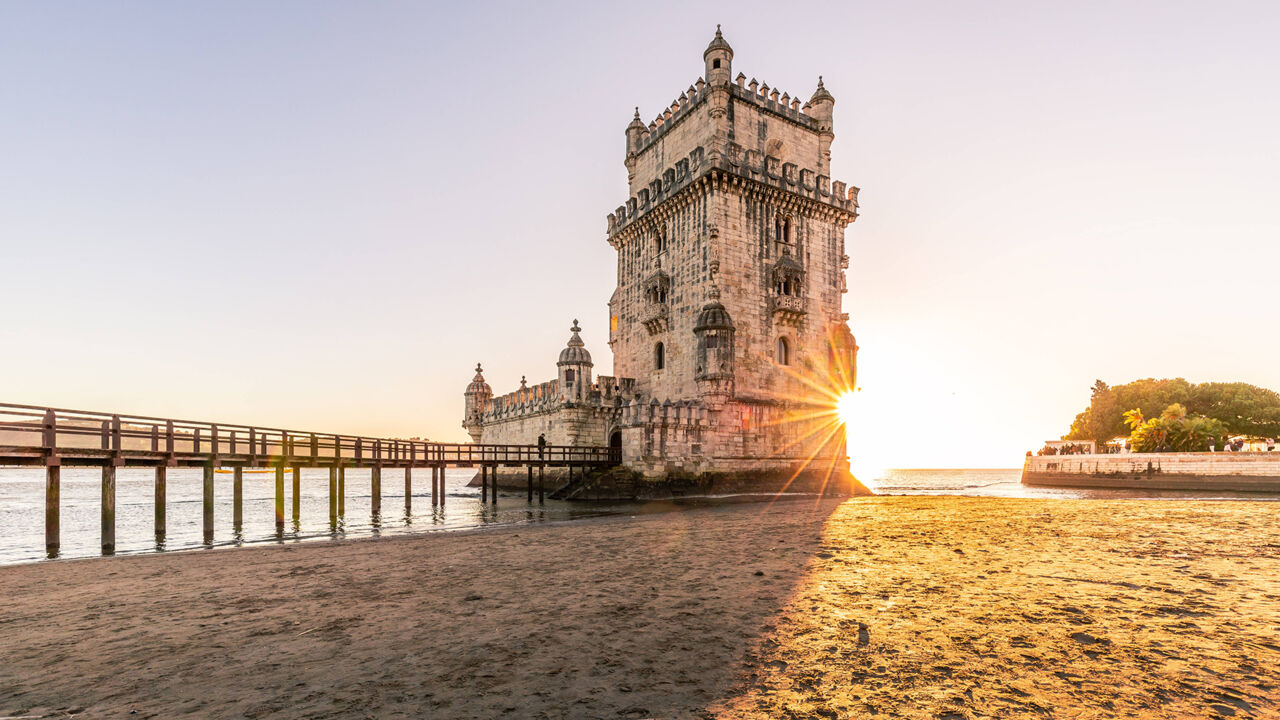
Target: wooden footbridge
<point>54,437</point>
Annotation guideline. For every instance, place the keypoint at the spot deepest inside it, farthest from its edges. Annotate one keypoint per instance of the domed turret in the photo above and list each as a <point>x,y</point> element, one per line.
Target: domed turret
<point>477,396</point>
<point>635,133</point>
<point>575,353</point>
<point>715,331</point>
<point>719,60</point>
<point>822,108</point>
<point>575,368</point>
<point>713,317</point>
<point>478,386</point>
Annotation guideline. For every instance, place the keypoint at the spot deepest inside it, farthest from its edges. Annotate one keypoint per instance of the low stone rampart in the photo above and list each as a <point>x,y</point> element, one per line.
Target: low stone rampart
<point>1236,472</point>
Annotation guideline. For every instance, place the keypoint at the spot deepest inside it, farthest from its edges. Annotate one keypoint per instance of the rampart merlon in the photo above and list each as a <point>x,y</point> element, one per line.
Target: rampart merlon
<point>745,163</point>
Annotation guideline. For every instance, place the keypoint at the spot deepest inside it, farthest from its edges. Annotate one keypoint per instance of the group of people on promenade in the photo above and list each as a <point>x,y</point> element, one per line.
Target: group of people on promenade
<point>1237,444</point>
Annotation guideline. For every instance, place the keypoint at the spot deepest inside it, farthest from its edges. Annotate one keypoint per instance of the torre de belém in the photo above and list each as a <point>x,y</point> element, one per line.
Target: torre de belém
<point>729,344</point>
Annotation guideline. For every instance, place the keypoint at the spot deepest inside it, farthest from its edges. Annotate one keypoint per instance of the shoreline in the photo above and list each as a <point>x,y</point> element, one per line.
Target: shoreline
<point>975,607</point>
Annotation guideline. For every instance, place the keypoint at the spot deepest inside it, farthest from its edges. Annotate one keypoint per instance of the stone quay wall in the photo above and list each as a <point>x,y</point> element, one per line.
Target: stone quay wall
<point>1236,472</point>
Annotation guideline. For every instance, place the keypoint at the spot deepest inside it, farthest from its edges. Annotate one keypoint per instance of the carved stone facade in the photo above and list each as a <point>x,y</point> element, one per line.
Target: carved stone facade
<point>729,345</point>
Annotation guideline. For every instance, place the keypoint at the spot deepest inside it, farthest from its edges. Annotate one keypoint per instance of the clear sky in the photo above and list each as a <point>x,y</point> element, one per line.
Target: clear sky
<point>321,215</point>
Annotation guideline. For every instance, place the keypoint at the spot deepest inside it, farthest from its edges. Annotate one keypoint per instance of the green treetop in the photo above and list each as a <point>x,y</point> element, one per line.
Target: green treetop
<point>1242,409</point>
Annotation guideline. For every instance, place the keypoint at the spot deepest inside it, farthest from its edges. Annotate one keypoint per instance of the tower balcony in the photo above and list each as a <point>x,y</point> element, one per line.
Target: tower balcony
<point>787,308</point>
<point>655,317</point>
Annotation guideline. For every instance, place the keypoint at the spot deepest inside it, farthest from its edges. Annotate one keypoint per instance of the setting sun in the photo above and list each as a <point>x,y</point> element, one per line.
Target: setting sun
<point>844,408</point>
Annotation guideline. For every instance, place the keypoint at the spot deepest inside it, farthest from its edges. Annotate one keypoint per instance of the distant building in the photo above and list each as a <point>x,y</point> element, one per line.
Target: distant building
<point>729,344</point>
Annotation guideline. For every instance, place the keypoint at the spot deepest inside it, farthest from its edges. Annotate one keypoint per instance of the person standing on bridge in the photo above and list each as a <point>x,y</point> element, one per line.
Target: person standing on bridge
<point>542,445</point>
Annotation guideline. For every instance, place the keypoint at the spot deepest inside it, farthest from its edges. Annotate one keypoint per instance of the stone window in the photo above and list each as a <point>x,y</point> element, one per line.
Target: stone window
<point>782,353</point>
<point>659,357</point>
<point>568,376</point>
<point>660,241</point>
<point>715,64</point>
<point>713,341</point>
<point>782,229</point>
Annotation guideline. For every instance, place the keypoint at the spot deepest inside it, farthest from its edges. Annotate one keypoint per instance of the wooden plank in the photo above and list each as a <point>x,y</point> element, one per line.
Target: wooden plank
<point>207,502</point>
<point>52,508</point>
<point>342,491</point>
<point>297,494</point>
<point>237,499</point>
<point>108,527</point>
<point>333,497</point>
<point>160,491</point>
<point>279,498</point>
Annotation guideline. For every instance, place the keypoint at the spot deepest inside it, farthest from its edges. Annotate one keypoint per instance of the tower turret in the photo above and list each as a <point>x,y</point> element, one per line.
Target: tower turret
<point>821,107</point>
<point>714,330</point>
<point>719,60</point>
<point>478,395</point>
<point>635,132</point>
<point>574,368</point>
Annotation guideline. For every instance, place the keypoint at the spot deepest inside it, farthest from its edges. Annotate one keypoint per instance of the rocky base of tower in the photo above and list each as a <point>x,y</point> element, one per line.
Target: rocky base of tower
<point>622,484</point>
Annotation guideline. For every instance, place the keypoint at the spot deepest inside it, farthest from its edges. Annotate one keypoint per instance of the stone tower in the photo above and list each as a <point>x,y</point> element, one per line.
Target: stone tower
<point>730,250</point>
<point>730,348</point>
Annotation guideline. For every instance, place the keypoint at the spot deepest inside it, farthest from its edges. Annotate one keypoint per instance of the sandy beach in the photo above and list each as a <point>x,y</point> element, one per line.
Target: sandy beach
<point>914,607</point>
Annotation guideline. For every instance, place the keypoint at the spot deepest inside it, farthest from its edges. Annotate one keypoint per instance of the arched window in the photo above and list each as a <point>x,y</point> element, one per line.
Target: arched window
<point>783,353</point>
<point>660,241</point>
<point>659,357</point>
<point>786,230</point>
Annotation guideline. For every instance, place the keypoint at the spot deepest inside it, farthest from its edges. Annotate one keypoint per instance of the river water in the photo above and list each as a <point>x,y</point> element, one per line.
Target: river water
<point>22,506</point>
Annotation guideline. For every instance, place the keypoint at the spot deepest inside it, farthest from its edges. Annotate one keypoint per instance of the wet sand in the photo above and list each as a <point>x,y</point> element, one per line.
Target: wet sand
<point>937,607</point>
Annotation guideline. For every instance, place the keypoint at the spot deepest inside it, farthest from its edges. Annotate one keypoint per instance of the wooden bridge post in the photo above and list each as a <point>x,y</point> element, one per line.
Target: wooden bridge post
<point>52,486</point>
<point>493,483</point>
<point>237,499</point>
<point>408,488</point>
<point>333,496</point>
<point>208,500</point>
<point>159,491</point>
<point>375,481</point>
<point>435,500</point>
<point>109,508</point>
<point>342,491</point>
<point>297,495</point>
<point>530,484</point>
<point>542,484</point>
<point>443,492</point>
<point>280,496</point>
<point>484,484</point>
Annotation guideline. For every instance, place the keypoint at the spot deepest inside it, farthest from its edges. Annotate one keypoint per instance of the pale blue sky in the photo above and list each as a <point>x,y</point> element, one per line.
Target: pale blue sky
<point>321,215</point>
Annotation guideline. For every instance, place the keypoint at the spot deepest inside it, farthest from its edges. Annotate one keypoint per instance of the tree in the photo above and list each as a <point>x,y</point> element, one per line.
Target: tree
<point>1243,409</point>
<point>1174,431</point>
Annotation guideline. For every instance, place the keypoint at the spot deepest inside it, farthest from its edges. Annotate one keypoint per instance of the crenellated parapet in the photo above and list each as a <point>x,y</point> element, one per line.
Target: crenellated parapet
<point>684,413</point>
<point>742,162</point>
<point>672,180</point>
<point>528,400</point>
<point>672,114</point>
<point>754,165</point>
<point>786,106</point>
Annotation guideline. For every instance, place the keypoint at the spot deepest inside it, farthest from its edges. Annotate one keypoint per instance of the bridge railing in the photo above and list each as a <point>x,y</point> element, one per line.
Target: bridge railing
<point>52,437</point>
<point>29,433</point>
